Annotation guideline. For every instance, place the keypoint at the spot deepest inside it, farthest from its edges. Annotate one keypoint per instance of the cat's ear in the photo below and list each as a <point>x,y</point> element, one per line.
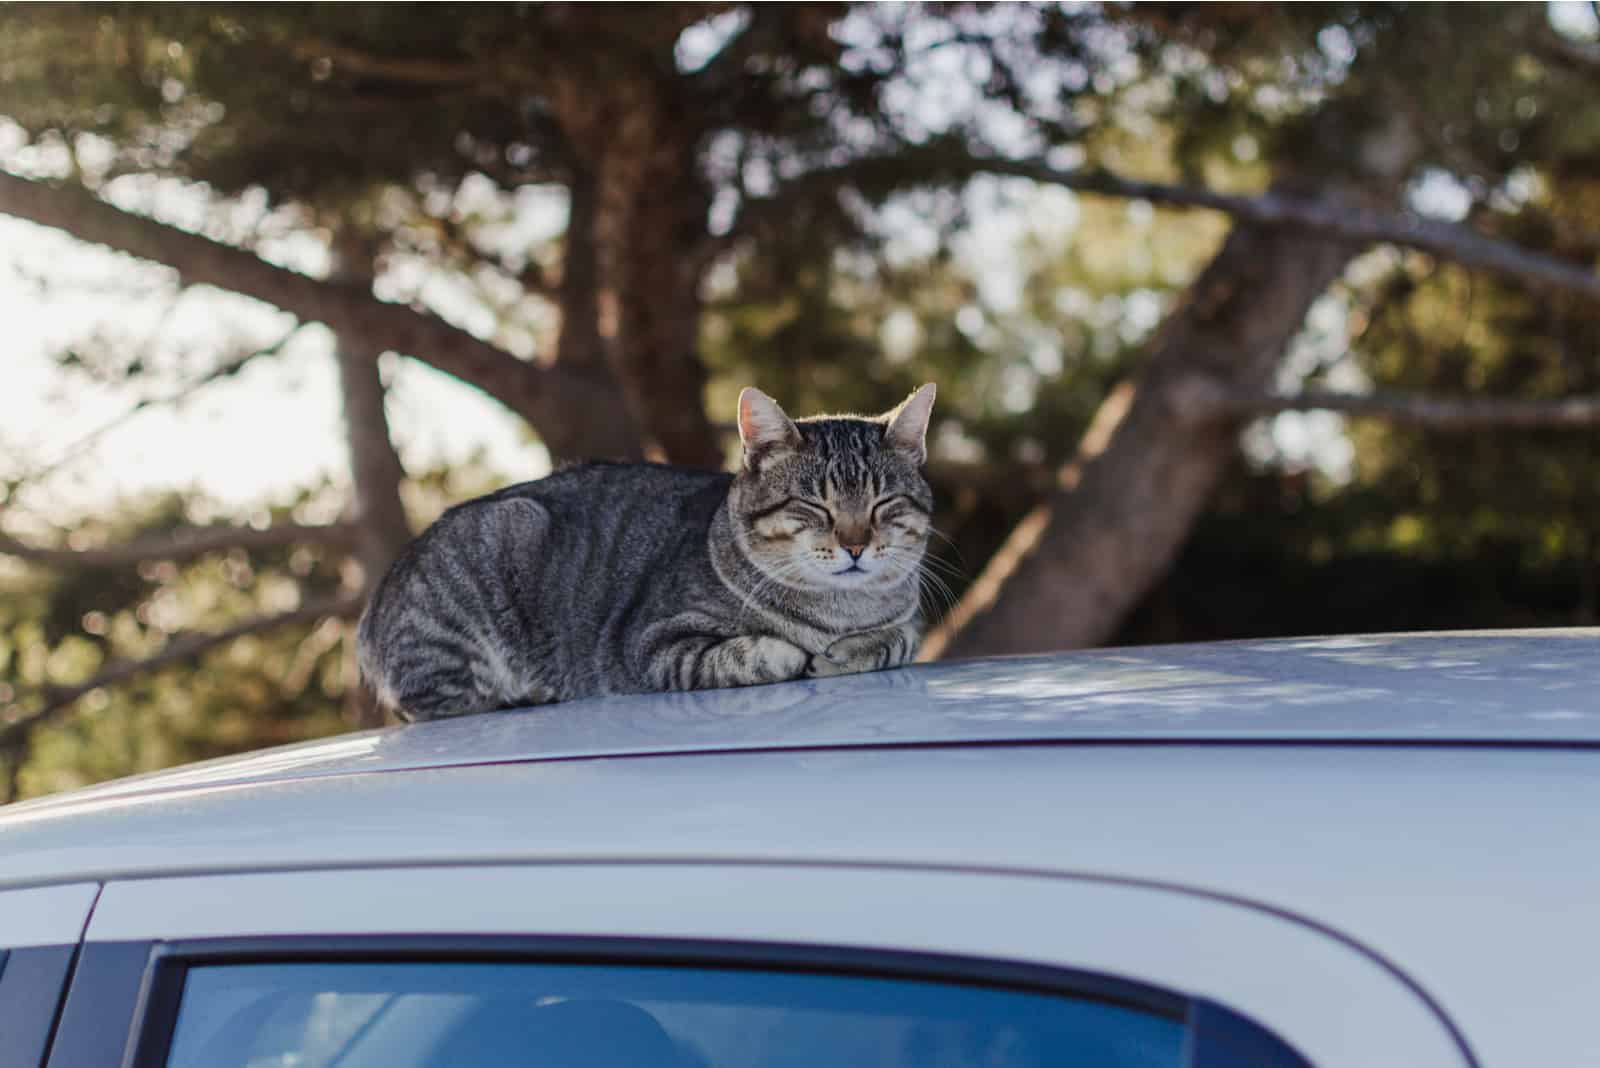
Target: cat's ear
<point>908,424</point>
<point>763,426</point>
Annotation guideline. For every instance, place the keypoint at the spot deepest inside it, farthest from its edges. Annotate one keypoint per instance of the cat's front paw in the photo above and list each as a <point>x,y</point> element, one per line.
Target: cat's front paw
<point>781,661</point>
<point>870,650</point>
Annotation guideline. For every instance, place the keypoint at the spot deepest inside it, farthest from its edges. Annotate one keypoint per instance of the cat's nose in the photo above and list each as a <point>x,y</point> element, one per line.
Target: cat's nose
<point>855,549</point>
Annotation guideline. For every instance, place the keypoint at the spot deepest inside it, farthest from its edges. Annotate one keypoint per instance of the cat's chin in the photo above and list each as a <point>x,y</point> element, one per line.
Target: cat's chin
<point>853,579</point>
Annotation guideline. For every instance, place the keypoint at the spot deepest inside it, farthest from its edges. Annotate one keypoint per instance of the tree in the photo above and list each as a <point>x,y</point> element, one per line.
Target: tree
<point>727,173</point>
<point>1077,565</point>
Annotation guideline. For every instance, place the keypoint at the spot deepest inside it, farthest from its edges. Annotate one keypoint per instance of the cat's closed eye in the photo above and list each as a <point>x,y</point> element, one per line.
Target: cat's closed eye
<point>789,518</point>
<point>811,513</point>
<point>898,511</point>
<point>888,508</point>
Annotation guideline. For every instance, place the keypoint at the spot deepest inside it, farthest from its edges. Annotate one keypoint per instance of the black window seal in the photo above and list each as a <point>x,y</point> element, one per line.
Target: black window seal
<point>156,1014</point>
<point>950,969</point>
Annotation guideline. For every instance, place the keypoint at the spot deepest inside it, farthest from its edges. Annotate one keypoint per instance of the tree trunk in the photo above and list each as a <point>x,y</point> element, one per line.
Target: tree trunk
<point>648,213</point>
<point>377,511</point>
<point>382,529</point>
<point>379,514</point>
<point>580,343</point>
<point>1075,567</point>
<point>12,757</point>
<point>658,292</point>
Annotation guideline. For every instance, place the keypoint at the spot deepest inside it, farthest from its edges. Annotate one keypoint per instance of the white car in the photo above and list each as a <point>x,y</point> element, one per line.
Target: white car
<point>1347,853</point>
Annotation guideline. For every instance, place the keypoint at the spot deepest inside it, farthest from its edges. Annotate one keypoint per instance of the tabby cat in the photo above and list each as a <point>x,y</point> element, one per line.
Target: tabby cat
<point>627,578</point>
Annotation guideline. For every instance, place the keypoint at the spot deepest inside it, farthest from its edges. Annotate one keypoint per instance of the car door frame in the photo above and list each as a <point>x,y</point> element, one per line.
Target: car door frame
<point>1345,1008</point>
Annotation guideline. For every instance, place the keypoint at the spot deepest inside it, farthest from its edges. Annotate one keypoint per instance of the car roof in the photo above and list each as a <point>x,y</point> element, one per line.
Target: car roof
<point>1506,687</point>
<point>1420,795</point>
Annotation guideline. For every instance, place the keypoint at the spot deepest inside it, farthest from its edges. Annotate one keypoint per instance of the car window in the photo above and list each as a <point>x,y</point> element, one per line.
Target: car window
<point>430,1015</point>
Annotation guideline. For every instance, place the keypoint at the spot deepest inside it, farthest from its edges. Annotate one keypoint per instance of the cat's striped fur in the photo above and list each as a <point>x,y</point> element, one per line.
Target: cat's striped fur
<point>627,578</point>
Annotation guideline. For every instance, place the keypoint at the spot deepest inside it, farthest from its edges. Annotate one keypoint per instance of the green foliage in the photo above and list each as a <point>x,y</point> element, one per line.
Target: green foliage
<point>256,692</point>
<point>61,627</point>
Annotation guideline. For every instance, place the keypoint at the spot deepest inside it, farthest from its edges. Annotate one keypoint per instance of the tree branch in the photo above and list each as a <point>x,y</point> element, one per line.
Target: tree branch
<point>939,164</point>
<point>15,724</point>
<point>458,241</point>
<point>564,404</point>
<point>419,70</point>
<point>181,545</point>
<point>1448,241</point>
<point>1432,413</point>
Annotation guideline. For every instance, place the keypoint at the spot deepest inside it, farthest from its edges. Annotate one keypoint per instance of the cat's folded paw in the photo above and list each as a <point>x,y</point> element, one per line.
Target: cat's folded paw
<point>784,661</point>
<point>870,650</point>
<point>849,655</point>
<point>820,667</point>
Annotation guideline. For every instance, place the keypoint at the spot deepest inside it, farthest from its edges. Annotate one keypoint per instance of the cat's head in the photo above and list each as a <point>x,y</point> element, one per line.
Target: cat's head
<point>833,501</point>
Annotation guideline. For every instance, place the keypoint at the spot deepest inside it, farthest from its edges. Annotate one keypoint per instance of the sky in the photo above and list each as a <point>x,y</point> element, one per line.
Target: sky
<point>259,435</point>
<point>275,426</point>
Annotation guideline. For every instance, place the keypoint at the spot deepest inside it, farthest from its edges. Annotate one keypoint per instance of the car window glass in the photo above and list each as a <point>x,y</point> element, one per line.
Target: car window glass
<point>430,1015</point>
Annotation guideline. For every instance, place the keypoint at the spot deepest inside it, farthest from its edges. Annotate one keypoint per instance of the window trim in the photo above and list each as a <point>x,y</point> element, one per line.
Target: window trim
<point>95,1018</point>
<point>1215,1032</point>
<point>32,981</point>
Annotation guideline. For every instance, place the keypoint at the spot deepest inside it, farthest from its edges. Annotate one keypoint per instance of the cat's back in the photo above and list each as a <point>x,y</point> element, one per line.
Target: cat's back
<point>597,485</point>
<point>583,503</point>
<point>624,512</point>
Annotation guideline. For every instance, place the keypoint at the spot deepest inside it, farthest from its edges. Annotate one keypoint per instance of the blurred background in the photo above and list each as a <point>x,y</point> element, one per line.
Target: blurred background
<point>1247,319</point>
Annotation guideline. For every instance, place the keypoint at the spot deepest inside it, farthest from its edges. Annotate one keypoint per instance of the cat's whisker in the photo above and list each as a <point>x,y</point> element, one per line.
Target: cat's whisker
<point>935,565</point>
<point>939,585</point>
<point>903,570</point>
<point>944,603</point>
<point>947,539</point>
<point>946,581</point>
<point>943,565</point>
<point>926,593</point>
